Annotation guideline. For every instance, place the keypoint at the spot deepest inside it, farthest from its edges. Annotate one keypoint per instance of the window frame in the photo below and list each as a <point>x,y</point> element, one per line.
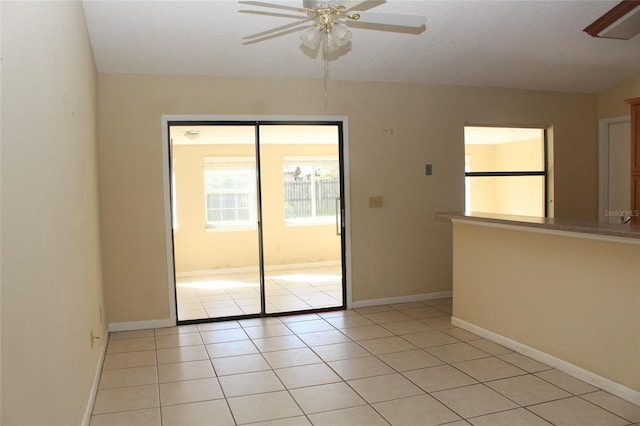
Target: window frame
<point>544,173</point>
<point>245,164</point>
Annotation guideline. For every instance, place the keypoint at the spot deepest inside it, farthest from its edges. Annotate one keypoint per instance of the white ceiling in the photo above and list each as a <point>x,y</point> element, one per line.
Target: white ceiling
<point>530,44</point>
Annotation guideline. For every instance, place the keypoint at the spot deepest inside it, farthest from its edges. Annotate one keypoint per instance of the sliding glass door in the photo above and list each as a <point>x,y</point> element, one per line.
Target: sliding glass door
<point>257,218</point>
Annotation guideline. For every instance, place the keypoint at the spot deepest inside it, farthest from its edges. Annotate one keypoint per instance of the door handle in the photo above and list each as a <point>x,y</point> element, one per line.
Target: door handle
<point>338,218</point>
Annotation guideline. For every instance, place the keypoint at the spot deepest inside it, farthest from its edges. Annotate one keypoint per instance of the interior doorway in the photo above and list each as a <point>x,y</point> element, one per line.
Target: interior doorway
<point>257,218</point>
<point>615,171</point>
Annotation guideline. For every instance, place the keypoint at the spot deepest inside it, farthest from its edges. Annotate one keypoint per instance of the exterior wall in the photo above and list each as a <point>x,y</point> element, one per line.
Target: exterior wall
<point>397,250</point>
<point>51,273</point>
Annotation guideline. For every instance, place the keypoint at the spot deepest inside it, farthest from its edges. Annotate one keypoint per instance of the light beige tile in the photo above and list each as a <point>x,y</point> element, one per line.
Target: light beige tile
<point>489,347</point>
<point>367,332</point>
<point>422,410</point>
<point>289,421</point>
<point>240,364</point>
<point>407,305</point>
<point>421,313</point>
<point>176,330</point>
<point>131,345</point>
<point>145,417</point>
<point>524,362</point>
<point>617,406</point>
<point>263,407</point>
<point>387,316</point>
<point>271,330</point>
<point>439,378</point>
<point>384,388</point>
<point>461,334</point>
<point>241,347</point>
<point>349,321</point>
<point>527,390</point>
<point>185,371</point>
<point>373,309</point>
<point>278,343</point>
<point>385,345</point>
<point>340,351</point>
<point>357,368</point>
<point>190,391</point>
<point>407,327</point>
<point>566,382</point>
<point>222,336</point>
<point>333,396</point>
<point>575,411</point>
<point>250,383</point>
<point>439,323</point>
<point>123,377</point>
<point>182,354</point>
<point>410,360</point>
<point>178,340</point>
<point>298,318</point>
<point>456,352</point>
<point>473,400</point>
<point>307,375</point>
<point>124,399</point>
<point>323,338</point>
<point>133,334</point>
<point>519,416</point>
<point>291,358</point>
<point>428,339</point>
<point>197,413</point>
<point>309,326</point>
<point>220,325</point>
<point>492,368</point>
<point>129,359</point>
<point>362,415</point>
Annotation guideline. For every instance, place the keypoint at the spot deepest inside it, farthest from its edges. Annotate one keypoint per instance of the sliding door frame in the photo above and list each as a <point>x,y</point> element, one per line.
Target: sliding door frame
<point>257,120</point>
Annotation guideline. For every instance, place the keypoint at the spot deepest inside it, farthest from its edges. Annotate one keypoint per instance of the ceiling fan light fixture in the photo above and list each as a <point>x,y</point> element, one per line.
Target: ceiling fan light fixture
<point>312,37</point>
<point>340,34</point>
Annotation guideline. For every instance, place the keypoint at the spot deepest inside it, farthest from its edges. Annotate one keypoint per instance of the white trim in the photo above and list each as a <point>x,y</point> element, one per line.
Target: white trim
<point>88,411</point>
<point>402,299</point>
<point>603,159</point>
<point>165,119</point>
<point>141,325</point>
<point>580,373</point>
<point>254,269</point>
<point>538,230</point>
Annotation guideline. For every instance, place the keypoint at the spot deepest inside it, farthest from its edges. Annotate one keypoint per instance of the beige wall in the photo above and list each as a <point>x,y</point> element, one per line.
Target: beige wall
<point>51,277</point>
<point>611,102</point>
<point>200,249</point>
<point>582,307</point>
<point>512,195</point>
<point>397,250</point>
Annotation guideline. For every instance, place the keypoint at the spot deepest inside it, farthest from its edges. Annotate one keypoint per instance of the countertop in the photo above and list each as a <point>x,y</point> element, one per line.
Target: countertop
<point>556,224</point>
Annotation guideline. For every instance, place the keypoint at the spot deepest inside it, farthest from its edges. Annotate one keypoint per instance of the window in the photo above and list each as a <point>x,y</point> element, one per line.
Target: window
<point>506,170</point>
<point>230,196</point>
<point>311,189</point>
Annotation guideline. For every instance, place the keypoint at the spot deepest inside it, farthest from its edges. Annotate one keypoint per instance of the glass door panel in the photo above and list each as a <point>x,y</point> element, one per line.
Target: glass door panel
<point>301,216</point>
<point>215,220</point>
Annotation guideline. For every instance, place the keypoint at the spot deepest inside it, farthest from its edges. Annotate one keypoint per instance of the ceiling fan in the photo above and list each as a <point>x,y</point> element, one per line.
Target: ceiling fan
<point>327,18</point>
<point>324,21</point>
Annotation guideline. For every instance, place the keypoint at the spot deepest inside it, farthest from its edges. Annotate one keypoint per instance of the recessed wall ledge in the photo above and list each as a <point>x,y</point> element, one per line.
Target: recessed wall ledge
<point>547,223</point>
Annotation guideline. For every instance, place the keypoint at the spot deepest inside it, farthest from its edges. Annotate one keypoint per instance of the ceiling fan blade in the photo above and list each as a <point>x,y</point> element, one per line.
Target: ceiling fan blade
<point>263,13</point>
<point>272,34</point>
<point>280,28</point>
<point>412,21</point>
<point>275,6</point>
<point>352,4</point>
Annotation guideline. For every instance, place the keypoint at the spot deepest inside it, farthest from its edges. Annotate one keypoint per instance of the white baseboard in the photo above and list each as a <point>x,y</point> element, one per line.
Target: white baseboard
<point>86,419</point>
<point>141,325</point>
<point>225,271</point>
<point>580,373</point>
<point>401,299</point>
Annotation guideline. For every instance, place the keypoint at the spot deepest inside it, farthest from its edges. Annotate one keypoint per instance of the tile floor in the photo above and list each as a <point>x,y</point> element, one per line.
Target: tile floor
<point>232,294</point>
<point>401,364</point>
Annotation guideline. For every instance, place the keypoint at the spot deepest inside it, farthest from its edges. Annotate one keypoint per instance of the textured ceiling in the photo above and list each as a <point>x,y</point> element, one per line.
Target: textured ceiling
<point>517,43</point>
